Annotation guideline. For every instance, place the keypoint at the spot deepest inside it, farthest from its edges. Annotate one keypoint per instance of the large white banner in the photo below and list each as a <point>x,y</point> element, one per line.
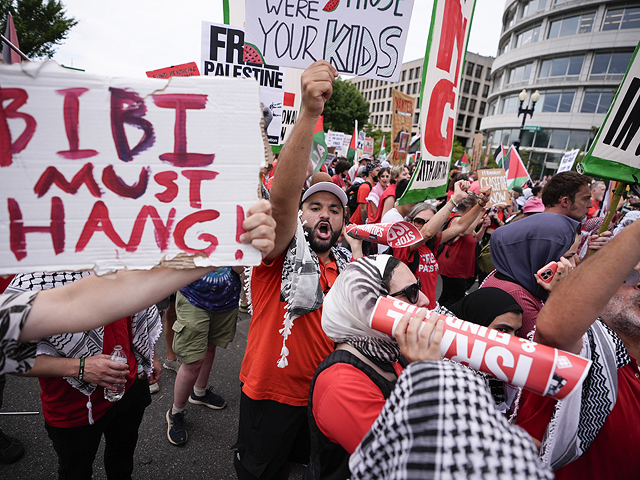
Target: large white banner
<point>222,55</point>
<point>441,76</point>
<point>113,172</point>
<point>359,37</point>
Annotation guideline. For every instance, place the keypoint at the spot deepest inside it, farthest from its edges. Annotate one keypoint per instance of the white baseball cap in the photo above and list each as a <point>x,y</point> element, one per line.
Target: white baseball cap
<point>326,187</point>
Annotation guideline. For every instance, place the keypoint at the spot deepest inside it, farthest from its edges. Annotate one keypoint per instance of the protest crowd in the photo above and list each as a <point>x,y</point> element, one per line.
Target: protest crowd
<point>322,384</point>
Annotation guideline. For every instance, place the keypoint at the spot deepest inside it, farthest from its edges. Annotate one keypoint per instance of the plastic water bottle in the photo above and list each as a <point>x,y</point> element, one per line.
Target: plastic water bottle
<point>116,356</point>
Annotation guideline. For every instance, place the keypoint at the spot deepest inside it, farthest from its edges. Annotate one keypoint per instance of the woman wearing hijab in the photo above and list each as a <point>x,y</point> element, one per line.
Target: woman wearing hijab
<point>351,385</point>
<point>519,250</point>
<point>495,309</point>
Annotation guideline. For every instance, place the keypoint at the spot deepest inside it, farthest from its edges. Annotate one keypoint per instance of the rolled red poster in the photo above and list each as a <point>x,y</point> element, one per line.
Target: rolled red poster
<point>395,235</point>
<point>530,365</point>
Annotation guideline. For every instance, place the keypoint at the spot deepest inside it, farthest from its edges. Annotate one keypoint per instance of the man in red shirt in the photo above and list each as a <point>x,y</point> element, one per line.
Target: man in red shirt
<point>286,342</point>
<point>364,211</point>
<point>598,189</point>
<point>592,431</point>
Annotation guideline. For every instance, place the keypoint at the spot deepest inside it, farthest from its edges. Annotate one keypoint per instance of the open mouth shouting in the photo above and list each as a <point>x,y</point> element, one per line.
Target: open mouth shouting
<point>323,230</point>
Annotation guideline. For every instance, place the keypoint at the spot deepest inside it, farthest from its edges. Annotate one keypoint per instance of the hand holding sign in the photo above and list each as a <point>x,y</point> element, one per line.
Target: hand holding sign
<point>395,235</point>
<point>417,343</point>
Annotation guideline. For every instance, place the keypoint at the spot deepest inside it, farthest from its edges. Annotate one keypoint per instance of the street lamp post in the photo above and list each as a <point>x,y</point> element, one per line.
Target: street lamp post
<point>526,111</point>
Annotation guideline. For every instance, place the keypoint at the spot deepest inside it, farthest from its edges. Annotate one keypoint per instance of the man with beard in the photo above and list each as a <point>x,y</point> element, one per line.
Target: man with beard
<point>592,431</point>
<point>286,342</point>
<point>568,194</point>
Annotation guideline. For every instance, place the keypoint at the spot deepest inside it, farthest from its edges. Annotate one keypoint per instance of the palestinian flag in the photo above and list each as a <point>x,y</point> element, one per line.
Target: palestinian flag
<point>498,157</point>
<point>319,146</point>
<point>352,154</point>
<point>382,156</point>
<point>463,162</point>
<point>517,174</point>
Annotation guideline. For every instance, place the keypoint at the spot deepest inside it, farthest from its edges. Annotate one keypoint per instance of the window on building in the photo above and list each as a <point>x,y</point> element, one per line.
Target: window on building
<point>478,122</point>
<point>622,18</point>
<point>416,117</point>
<point>389,105</point>
<point>596,100</point>
<point>467,86</point>
<point>504,46</point>
<point>559,139</point>
<point>386,120</point>
<point>561,66</point>
<point>487,77</point>
<point>610,64</point>
<point>411,74</point>
<point>401,88</point>
<point>472,105</point>
<point>467,125</point>
<point>572,25</point>
<point>509,105</point>
<point>417,72</point>
<point>520,74</point>
<point>485,91</point>
<point>404,75</point>
<point>497,81</point>
<point>509,19</point>
<point>528,37</point>
<point>492,107</point>
<point>556,101</point>
<point>463,103</point>
<point>460,121</point>
<point>383,93</point>
<point>416,87</point>
<point>470,67</point>
<point>532,7</point>
<point>476,87</point>
<point>483,107</point>
<point>375,94</point>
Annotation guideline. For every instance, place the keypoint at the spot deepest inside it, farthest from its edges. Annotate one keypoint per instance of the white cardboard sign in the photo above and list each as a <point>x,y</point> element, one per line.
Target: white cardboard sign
<point>361,38</point>
<point>111,173</point>
<point>568,159</point>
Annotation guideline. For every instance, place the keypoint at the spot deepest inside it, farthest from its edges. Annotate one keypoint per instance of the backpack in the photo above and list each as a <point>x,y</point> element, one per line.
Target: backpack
<point>352,197</point>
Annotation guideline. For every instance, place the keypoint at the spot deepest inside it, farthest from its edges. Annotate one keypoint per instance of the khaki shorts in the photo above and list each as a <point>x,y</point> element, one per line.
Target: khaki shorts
<point>195,328</point>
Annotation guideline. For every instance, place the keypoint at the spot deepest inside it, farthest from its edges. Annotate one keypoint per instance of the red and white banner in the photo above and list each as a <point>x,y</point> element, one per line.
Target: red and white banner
<point>538,368</point>
<point>395,235</point>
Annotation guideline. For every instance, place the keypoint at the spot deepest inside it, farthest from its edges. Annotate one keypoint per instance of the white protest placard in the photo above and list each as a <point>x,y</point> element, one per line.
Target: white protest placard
<point>110,173</point>
<point>334,139</point>
<point>496,178</point>
<point>222,55</point>
<point>615,152</point>
<point>568,159</point>
<point>441,76</point>
<point>363,38</point>
<point>346,141</point>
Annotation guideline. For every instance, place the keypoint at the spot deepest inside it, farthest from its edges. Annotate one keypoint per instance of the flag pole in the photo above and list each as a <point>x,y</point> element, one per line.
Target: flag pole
<point>14,48</point>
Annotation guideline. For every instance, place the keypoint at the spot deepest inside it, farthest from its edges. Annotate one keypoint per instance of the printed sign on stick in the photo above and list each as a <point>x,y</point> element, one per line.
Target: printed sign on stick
<point>222,55</point>
<point>122,173</point>
<point>497,179</point>
<point>361,38</point>
<point>402,106</point>
<point>615,152</point>
<point>568,159</point>
<point>441,74</point>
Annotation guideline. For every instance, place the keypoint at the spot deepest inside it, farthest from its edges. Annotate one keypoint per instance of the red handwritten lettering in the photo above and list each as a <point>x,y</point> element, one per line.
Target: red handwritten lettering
<point>7,149</point>
<point>71,115</point>
<point>114,183</point>
<point>51,175</point>
<point>189,221</point>
<point>195,180</point>
<point>167,180</point>
<point>17,230</point>
<point>98,221</point>
<point>127,107</point>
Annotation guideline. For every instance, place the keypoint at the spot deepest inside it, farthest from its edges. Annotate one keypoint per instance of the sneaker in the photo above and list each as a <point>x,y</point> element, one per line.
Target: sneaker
<point>171,365</point>
<point>209,399</point>
<point>154,387</point>
<point>11,449</point>
<point>175,428</point>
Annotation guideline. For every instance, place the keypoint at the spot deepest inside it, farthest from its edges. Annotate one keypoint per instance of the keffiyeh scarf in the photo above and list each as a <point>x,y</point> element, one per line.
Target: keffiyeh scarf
<point>146,327</point>
<point>440,423</point>
<point>300,285</point>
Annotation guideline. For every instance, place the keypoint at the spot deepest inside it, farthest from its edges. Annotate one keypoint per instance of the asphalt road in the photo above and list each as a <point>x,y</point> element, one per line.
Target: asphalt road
<point>211,432</point>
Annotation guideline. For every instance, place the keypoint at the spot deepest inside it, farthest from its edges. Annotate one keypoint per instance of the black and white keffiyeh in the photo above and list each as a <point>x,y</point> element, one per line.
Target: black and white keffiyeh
<point>349,304</point>
<point>146,327</point>
<point>300,286</point>
<point>15,357</point>
<point>578,418</point>
<point>440,423</point>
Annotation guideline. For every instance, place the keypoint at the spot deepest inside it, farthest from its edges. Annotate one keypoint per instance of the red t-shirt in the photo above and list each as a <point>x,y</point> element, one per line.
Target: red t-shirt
<point>64,406</point>
<point>363,193</point>
<point>390,191</point>
<point>611,453</point>
<point>428,268</point>
<point>337,179</point>
<point>458,260</point>
<point>346,403</point>
<point>595,206</point>
<point>307,344</point>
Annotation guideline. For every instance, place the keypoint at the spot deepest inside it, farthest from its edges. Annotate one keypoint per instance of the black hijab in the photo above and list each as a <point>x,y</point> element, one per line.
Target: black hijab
<point>484,305</point>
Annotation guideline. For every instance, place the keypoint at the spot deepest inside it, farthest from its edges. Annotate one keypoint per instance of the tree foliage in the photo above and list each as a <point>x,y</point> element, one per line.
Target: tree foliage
<point>41,25</point>
<point>344,107</point>
<point>456,151</point>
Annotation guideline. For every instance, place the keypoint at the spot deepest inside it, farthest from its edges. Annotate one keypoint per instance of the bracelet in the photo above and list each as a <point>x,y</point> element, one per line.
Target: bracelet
<point>483,205</point>
<point>454,202</point>
<point>81,371</point>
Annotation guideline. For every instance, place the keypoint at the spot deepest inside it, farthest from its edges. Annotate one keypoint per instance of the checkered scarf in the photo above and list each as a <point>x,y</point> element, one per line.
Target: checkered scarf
<point>146,328</point>
<point>441,423</point>
<point>300,286</point>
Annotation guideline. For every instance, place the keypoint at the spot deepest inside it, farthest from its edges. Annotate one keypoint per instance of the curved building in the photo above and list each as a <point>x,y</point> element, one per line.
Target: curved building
<point>575,53</point>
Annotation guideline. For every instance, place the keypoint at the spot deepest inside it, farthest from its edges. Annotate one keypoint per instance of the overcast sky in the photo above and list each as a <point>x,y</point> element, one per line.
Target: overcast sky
<point>130,37</point>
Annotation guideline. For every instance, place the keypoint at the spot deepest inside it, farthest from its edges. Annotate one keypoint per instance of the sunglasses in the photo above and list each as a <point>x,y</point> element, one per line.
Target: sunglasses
<point>633,278</point>
<point>419,222</point>
<point>412,292</point>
